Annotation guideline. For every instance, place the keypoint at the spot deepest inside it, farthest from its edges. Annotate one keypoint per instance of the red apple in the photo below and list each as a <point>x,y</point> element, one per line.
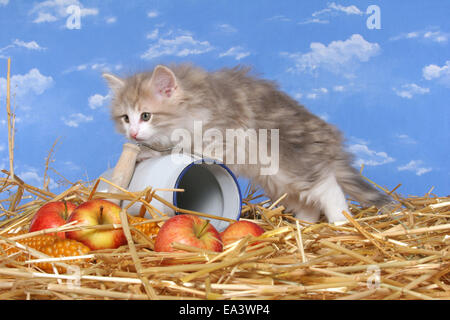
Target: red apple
<point>52,215</point>
<point>190,230</point>
<point>97,212</point>
<point>239,230</point>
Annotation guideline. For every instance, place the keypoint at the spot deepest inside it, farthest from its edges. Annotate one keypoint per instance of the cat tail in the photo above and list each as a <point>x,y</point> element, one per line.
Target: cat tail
<point>353,184</point>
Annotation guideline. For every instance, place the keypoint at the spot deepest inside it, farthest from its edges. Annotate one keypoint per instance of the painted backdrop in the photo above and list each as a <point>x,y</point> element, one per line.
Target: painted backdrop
<point>378,70</point>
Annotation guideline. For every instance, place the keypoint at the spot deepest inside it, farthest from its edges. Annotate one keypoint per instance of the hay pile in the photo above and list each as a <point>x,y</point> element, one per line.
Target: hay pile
<point>403,254</point>
<point>400,254</point>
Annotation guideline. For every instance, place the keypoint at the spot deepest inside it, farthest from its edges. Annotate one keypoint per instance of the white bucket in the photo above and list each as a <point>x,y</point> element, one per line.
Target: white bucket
<point>210,186</point>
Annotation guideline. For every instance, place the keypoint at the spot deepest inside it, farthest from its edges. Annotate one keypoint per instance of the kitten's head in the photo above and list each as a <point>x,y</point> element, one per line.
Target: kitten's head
<point>147,106</point>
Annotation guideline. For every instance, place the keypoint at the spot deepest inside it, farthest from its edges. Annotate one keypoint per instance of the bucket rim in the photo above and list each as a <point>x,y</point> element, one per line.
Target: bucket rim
<point>207,161</point>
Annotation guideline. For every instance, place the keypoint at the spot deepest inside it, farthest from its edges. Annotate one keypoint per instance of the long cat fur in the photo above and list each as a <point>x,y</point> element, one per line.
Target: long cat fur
<point>315,170</point>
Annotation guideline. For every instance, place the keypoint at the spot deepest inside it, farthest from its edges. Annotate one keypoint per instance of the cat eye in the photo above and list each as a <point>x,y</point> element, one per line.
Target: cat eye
<point>125,118</point>
<point>145,116</point>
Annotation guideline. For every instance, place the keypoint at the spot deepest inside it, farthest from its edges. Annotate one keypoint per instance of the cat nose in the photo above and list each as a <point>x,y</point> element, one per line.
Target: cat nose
<point>133,135</point>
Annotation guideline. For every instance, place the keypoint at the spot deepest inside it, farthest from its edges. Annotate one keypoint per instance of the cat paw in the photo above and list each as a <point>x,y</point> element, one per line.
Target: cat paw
<point>340,222</point>
<point>336,216</point>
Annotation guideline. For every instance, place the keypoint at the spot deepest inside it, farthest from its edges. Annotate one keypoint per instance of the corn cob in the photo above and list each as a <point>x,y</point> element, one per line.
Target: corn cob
<point>50,245</point>
<point>34,242</point>
<point>149,229</point>
<point>63,248</point>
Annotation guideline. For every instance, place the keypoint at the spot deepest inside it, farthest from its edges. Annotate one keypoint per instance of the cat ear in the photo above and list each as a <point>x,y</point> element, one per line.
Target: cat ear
<point>114,82</point>
<point>163,81</point>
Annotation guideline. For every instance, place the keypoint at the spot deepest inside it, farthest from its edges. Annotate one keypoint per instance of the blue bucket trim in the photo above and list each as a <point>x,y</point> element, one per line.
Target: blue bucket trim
<point>177,183</point>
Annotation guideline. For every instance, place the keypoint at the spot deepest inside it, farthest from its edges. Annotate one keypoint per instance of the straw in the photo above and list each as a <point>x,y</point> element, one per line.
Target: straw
<point>403,253</point>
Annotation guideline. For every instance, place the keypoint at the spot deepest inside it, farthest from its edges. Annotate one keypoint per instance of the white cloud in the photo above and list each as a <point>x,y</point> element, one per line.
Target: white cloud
<point>298,95</point>
<point>321,90</point>
<point>324,116</point>
<point>279,17</point>
<point>89,12</point>
<point>99,66</point>
<point>338,88</point>
<point>436,36</point>
<point>415,166</point>
<point>97,100</point>
<point>411,35</point>
<point>4,2</point>
<point>80,67</point>
<point>32,45</point>
<point>317,92</point>
<point>152,14</point>
<point>153,35</point>
<point>94,66</point>
<point>69,165</point>
<point>352,9</point>
<point>424,35</point>
<point>23,84</point>
<point>111,20</point>
<point>45,17</point>
<point>409,90</point>
<point>54,10</point>
<point>75,119</point>
<point>336,55</point>
<point>31,176</point>
<point>237,52</point>
<point>405,139</point>
<point>364,155</point>
<point>181,44</point>
<point>435,72</point>
<point>334,9</point>
<point>226,28</point>
<point>314,20</point>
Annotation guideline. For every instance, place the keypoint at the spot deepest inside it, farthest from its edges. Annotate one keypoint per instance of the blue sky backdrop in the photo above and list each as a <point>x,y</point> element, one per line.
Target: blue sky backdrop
<point>383,82</point>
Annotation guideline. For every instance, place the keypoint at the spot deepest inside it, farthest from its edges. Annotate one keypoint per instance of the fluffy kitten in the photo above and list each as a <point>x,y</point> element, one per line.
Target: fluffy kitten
<point>314,169</point>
